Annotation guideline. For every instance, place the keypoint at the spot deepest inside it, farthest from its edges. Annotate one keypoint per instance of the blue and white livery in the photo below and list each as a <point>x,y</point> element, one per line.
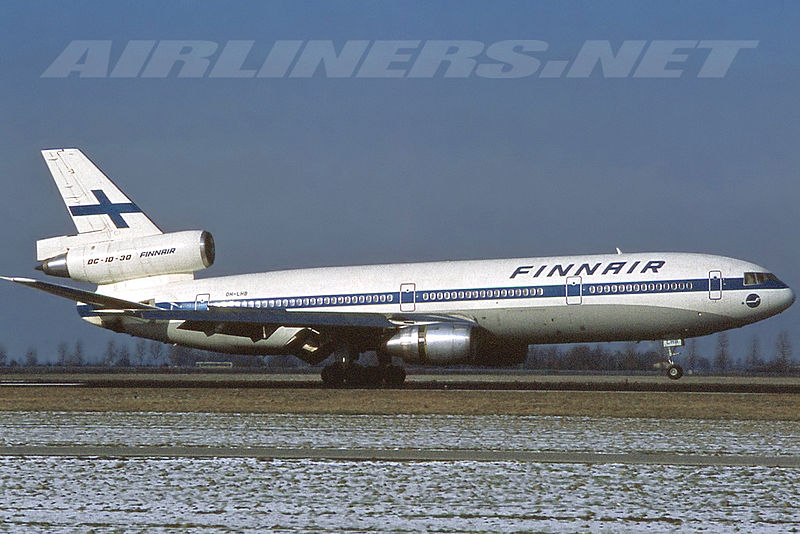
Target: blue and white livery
<point>481,311</point>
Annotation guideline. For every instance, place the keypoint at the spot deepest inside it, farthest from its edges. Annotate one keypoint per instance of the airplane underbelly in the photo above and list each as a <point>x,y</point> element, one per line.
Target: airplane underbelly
<point>599,322</point>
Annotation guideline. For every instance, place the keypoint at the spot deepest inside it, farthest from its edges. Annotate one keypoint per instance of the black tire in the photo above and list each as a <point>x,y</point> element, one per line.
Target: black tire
<point>674,371</point>
<point>333,375</point>
<point>355,375</point>
<point>373,376</point>
<point>394,376</point>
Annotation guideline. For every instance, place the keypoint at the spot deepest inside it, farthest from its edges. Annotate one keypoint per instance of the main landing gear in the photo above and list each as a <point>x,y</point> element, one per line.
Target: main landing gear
<point>344,371</point>
<point>674,371</point>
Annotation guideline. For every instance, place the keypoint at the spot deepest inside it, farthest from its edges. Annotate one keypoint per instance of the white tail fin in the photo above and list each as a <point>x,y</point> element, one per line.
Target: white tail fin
<point>95,204</point>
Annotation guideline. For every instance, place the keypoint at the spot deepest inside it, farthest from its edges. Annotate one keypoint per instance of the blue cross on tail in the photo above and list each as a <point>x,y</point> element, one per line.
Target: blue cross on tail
<point>106,207</point>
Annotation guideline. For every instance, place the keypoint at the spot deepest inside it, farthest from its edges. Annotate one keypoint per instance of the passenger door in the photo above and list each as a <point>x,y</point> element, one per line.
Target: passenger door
<point>201,301</point>
<point>715,285</point>
<point>407,297</point>
<point>574,290</point>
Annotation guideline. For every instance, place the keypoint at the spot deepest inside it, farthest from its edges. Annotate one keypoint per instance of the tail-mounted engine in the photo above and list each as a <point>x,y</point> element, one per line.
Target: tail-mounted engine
<point>115,261</point>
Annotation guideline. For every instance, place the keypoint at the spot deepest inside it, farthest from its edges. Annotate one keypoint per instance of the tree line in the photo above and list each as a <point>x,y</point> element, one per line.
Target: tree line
<point>631,358</point>
<point>600,357</point>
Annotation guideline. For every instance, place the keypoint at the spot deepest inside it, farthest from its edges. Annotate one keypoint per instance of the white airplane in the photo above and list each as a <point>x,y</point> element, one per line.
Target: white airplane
<point>482,311</point>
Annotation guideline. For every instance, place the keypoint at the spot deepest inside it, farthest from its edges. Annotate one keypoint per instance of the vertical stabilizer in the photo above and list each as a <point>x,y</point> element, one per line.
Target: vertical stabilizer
<point>95,204</point>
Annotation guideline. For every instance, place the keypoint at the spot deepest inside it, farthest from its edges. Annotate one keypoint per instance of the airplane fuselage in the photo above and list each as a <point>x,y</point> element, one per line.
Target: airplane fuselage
<point>619,297</point>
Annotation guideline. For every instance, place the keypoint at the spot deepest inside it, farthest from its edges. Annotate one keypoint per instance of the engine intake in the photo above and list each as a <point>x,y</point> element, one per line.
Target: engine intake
<point>435,344</point>
<point>116,261</point>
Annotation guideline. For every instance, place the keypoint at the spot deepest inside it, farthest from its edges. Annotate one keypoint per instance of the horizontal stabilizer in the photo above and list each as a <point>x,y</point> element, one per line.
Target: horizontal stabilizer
<point>79,295</point>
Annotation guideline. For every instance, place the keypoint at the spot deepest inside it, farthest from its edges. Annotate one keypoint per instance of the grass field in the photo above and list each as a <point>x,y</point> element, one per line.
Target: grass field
<point>670,405</point>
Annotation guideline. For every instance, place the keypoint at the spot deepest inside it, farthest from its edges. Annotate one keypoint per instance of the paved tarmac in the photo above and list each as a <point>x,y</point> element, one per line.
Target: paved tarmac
<point>516,381</point>
<point>403,455</point>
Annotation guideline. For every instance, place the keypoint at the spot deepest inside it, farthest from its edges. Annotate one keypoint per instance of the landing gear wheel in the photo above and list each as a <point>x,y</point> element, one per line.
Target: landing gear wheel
<point>333,375</point>
<point>394,376</point>
<point>355,375</point>
<point>674,371</point>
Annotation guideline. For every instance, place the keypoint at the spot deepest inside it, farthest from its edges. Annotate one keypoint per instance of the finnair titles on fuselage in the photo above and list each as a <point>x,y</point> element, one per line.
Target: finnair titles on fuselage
<point>480,311</point>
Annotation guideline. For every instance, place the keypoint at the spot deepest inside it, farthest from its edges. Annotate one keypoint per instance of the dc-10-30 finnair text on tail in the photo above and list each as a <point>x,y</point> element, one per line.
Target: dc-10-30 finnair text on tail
<point>483,311</point>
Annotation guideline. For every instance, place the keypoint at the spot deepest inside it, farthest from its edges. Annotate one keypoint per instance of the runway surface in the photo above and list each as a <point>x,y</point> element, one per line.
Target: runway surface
<point>406,455</point>
<point>509,380</point>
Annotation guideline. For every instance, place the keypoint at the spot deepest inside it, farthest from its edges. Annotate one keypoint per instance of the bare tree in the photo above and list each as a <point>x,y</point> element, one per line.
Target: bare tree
<point>31,358</point>
<point>156,352</point>
<point>141,352</point>
<point>691,358</point>
<point>77,354</point>
<point>63,354</point>
<point>783,352</point>
<point>722,360</point>
<point>754,359</point>
<point>3,356</point>
<point>111,353</point>
<point>123,357</point>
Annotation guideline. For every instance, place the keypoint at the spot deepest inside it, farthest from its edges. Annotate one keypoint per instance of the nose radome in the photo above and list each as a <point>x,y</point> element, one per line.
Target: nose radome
<point>786,298</point>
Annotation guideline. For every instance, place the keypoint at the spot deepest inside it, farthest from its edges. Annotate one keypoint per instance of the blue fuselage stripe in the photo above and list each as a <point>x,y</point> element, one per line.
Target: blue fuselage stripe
<point>587,291</point>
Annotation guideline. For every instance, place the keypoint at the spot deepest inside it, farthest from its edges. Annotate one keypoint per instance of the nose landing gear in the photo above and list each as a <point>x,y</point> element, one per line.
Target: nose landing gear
<point>674,371</point>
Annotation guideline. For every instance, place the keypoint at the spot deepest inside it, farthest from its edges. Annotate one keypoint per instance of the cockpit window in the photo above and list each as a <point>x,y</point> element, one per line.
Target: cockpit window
<point>751,279</point>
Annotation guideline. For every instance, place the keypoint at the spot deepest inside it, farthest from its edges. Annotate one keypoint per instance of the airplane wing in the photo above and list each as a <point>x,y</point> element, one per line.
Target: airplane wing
<point>79,295</point>
<point>235,320</point>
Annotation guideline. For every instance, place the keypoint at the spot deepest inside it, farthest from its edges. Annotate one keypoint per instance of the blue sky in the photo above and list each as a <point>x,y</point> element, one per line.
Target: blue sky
<point>322,171</point>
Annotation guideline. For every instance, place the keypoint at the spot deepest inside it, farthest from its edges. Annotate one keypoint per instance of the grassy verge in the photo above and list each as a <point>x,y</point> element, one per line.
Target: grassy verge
<point>669,405</point>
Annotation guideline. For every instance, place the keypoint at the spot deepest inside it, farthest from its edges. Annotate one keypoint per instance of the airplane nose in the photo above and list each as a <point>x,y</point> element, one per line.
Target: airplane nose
<point>786,298</point>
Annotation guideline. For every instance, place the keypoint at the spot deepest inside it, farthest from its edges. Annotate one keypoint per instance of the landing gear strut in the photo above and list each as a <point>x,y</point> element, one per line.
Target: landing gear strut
<point>344,371</point>
<point>674,371</point>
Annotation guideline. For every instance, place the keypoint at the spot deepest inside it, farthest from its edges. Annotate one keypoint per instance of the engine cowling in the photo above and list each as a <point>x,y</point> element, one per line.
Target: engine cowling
<point>116,261</point>
<point>434,344</point>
